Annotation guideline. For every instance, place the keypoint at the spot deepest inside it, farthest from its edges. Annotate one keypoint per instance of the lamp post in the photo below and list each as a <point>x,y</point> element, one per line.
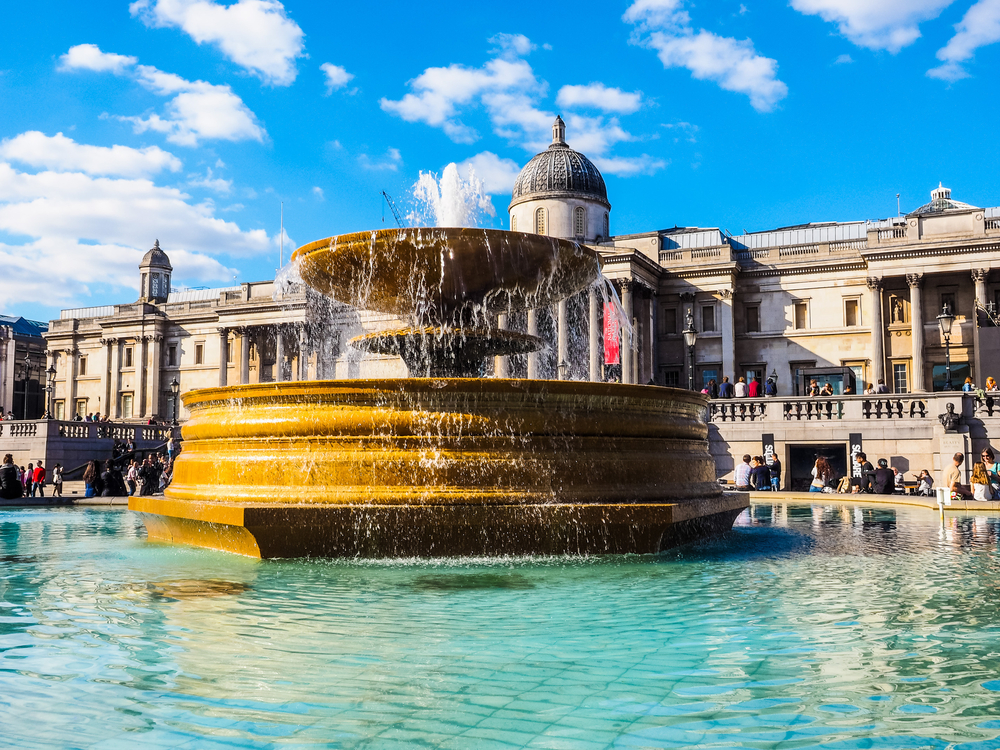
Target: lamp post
<point>50,390</point>
<point>945,319</point>
<point>690,339</point>
<point>175,388</point>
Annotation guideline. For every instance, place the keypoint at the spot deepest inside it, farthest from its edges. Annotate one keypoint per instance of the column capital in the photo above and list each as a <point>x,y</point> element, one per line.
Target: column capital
<point>980,274</point>
<point>914,279</point>
<point>725,293</point>
<point>626,285</point>
<point>157,337</point>
<point>874,283</point>
<point>223,330</point>
<point>687,296</point>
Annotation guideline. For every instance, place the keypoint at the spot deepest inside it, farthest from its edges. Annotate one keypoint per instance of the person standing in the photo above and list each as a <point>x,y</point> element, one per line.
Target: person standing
<point>742,475</point>
<point>28,477</point>
<point>90,479</point>
<point>57,480</point>
<point>775,469</point>
<point>10,482</point>
<point>38,480</point>
<point>132,477</point>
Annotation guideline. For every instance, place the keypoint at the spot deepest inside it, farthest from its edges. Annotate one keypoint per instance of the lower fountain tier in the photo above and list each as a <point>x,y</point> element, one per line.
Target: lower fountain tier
<point>440,466</point>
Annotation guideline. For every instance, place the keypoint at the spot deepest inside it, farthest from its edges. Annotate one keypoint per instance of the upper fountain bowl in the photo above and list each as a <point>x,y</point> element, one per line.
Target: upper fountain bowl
<point>432,273</point>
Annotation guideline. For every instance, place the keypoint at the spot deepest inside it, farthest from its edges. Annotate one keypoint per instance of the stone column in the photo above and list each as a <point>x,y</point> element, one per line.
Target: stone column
<point>5,400</point>
<point>562,332</point>
<point>303,354</point>
<point>155,363</point>
<point>533,356</point>
<point>595,336</point>
<point>72,363</point>
<point>653,338</point>
<point>726,328</point>
<point>114,407</point>
<point>625,344</point>
<point>917,330</point>
<point>140,366</point>
<point>106,378</point>
<point>279,354</point>
<point>878,335</point>
<point>223,357</point>
<point>979,279</point>
<point>501,365</point>
<point>244,355</point>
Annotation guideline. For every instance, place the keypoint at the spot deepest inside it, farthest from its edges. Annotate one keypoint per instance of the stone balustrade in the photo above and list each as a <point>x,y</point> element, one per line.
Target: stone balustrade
<point>886,407</point>
<point>74,443</point>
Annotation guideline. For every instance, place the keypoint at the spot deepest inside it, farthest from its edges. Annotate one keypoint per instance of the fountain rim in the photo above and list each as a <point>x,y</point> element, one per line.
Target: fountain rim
<point>441,385</point>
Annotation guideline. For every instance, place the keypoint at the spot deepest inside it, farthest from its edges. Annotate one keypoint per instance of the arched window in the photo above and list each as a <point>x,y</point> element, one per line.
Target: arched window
<point>540,221</point>
<point>513,223</point>
<point>607,226</point>
<point>580,221</point>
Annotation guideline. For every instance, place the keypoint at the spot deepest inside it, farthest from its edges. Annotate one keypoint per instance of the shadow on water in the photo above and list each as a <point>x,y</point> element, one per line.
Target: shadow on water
<point>743,544</point>
<point>193,588</point>
<point>471,582</point>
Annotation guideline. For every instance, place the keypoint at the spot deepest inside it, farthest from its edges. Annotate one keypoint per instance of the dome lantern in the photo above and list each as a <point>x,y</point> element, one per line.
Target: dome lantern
<point>154,275</point>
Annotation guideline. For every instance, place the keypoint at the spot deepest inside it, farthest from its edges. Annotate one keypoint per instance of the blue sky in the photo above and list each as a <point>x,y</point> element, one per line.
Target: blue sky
<point>190,121</point>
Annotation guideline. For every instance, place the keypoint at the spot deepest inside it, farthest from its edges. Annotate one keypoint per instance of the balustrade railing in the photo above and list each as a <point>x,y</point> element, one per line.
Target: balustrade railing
<point>736,410</point>
<point>886,407</point>
<point>47,428</point>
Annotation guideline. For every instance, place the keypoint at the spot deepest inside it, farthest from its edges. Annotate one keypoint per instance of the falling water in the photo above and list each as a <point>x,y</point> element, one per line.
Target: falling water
<point>450,201</point>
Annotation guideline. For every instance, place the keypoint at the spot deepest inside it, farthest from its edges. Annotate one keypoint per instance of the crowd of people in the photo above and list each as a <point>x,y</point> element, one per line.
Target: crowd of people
<point>757,475</point>
<point>18,481</point>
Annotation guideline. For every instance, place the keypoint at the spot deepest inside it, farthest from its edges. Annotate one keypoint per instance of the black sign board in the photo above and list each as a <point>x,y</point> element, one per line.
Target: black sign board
<point>855,440</point>
<point>767,443</point>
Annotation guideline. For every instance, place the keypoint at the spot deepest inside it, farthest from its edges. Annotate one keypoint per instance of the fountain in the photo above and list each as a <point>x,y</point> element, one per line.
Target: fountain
<point>445,462</point>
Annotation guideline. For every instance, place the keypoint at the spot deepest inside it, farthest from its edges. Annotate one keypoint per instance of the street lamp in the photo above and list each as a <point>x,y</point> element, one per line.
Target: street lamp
<point>175,388</point>
<point>945,319</point>
<point>690,338</point>
<point>50,390</point>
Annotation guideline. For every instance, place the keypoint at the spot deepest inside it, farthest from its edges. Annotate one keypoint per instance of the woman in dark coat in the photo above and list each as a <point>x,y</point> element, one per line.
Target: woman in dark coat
<point>10,482</point>
<point>883,480</point>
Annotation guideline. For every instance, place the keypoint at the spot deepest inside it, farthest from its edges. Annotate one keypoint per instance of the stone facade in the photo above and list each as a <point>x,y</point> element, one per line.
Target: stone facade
<point>22,367</point>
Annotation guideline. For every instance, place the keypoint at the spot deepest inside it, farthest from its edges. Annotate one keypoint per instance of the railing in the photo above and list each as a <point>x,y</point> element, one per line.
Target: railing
<point>988,405</point>
<point>19,429</point>
<point>710,252</point>
<point>993,224</point>
<point>48,428</point>
<point>840,246</point>
<point>790,250</point>
<point>895,407</point>
<point>670,255</point>
<point>894,233</point>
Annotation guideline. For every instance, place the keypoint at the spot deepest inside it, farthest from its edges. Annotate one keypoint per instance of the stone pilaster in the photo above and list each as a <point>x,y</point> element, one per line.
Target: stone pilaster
<point>223,357</point>
<point>626,345</point>
<point>878,334</point>
<point>917,330</point>
<point>595,335</point>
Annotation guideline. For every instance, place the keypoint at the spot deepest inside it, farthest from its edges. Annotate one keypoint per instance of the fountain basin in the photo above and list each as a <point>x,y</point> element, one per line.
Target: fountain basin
<point>441,466</point>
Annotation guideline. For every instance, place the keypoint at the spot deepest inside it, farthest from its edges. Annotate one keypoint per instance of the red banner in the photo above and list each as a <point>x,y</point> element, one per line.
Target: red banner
<point>612,348</point>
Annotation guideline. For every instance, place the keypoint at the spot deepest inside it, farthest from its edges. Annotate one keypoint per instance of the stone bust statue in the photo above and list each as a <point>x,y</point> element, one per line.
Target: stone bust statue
<point>950,420</point>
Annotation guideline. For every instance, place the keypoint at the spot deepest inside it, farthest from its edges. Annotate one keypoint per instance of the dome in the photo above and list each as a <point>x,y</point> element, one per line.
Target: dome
<point>941,202</point>
<point>559,172</point>
<point>156,257</point>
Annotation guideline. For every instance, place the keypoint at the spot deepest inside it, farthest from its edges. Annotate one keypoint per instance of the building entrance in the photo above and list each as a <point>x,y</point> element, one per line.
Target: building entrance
<point>802,458</point>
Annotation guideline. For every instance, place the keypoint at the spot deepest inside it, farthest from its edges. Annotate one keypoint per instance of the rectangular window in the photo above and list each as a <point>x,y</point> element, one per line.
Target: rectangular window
<point>708,374</point>
<point>753,318</point>
<point>858,368</point>
<point>126,406</point>
<point>948,299</point>
<point>82,370</point>
<point>670,320</point>
<point>128,357</point>
<point>172,355</point>
<point>852,313</point>
<point>672,378</point>
<point>81,407</point>
<point>959,372</point>
<point>801,315</point>
<point>754,373</point>
<point>229,352</point>
<point>60,410</point>
<point>199,354</point>
<point>900,382</point>
<point>708,318</point>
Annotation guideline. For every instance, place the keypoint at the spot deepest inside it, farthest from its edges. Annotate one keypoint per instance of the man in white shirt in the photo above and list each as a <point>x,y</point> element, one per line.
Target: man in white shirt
<point>742,475</point>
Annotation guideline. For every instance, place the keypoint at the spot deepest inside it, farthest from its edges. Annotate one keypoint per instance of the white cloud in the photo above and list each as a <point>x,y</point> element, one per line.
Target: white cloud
<point>90,57</point>
<point>257,35</point>
<point>389,162</point>
<point>875,24</point>
<point>979,27</point>
<point>90,232</point>
<point>210,182</point>
<point>844,59</point>
<point>625,166</point>
<point>440,91</point>
<point>336,77</point>
<point>197,111</point>
<point>318,192</point>
<point>62,154</point>
<point>733,64</point>
<point>496,174</point>
<point>684,131</point>
<point>511,45</point>
<point>599,96</point>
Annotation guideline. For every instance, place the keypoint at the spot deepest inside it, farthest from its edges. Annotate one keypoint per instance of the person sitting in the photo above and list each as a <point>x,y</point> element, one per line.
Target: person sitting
<point>953,478</point>
<point>760,475</point>
<point>870,390</point>
<point>926,483</point>
<point>770,388</point>
<point>883,480</point>
<point>740,389</point>
<point>753,388</point>
<point>725,388</point>
<point>991,384</point>
<point>864,471</point>
<point>980,483</point>
<point>822,475</point>
<point>881,387</point>
<point>813,389</point>
<point>741,476</point>
<point>968,386</point>
<point>827,390</point>
<point>899,488</point>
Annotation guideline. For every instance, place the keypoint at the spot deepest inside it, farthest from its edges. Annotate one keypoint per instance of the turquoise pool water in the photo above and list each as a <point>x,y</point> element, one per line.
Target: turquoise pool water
<point>807,627</point>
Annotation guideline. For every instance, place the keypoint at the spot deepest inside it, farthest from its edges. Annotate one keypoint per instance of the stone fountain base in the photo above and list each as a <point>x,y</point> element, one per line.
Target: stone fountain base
<point>441,466</point>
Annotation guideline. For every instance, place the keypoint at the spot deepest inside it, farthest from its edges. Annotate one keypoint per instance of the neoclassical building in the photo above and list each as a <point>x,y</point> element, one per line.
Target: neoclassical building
<point>848,302</point>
